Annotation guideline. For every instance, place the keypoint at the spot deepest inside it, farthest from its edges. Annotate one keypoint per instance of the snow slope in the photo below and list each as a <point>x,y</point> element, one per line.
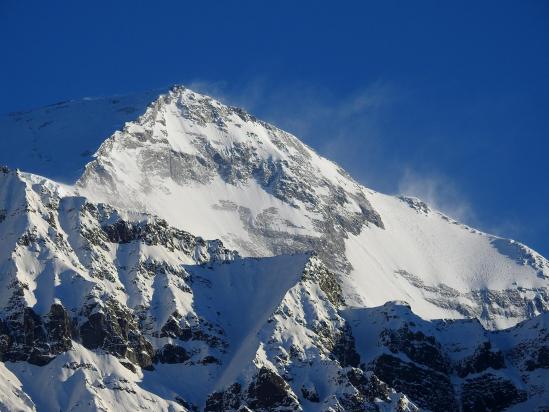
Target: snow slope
<point>80,380</point>
<point>57,141</point>
<point>442,268</point>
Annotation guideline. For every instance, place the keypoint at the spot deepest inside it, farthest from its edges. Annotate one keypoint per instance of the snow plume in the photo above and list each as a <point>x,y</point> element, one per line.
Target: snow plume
<point>303,105</point>
<point>439,192</point>
<point>348,129</point>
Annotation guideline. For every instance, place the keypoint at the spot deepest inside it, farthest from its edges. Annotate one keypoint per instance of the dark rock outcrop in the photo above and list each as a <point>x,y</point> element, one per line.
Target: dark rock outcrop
<point>489,393</point>
<point>540,359</point>
<point>417,346</point>
<point>368,385</point>
<point>171,354</point>
<point>426,387</point>
<point>310,394</point>
<point>26,336</point>
<point>230,399</point>
<point>344,349</point>
<point>116,331</point>
<point>482,359</point>
<point>269,391</point>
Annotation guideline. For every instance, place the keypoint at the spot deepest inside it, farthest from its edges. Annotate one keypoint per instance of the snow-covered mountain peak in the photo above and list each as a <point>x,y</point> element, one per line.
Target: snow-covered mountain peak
<point>246,179</point>
<point>214,169</point>
<point>313,292</point>
<point>189,123</point>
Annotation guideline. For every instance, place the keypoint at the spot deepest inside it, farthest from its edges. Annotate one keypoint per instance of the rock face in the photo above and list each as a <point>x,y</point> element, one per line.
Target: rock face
<point>488,392</point>
<point>439,370</point>
<point>111,292</point>
<point>428,388</point>
<point>115,330</point>
<point>29,337</point>
<point>269,391</point>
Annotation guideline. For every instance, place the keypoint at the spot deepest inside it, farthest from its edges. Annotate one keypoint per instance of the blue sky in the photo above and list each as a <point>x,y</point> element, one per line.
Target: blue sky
<point>445,100</point>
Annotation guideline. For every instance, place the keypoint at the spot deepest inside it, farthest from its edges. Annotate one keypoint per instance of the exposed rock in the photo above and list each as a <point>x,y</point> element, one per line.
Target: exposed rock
<point>540,359</point>
<point>416,204</point>
<point>328,282</point>
<point>341,209</point>
<point>482,359</point>
<point>115,330</point>
<point>187,405</point>
<point>199,330</point>
<point>427,388</point>
<point>310,394</point>
<point>173,329</point>
<point>420,348</point>
<point>171,354</point>
<point>268,391</point>
<point>230,399</point>
<point>369,385</point>
<point>344,349</point>
<point>489,393</point>
<point>158,232</point>
<point>35,339</point>
<point>485,305</point>
<point>149,293</point>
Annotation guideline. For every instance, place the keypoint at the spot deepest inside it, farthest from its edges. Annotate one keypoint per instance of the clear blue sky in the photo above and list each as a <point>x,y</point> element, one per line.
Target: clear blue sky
<point>445,100</point>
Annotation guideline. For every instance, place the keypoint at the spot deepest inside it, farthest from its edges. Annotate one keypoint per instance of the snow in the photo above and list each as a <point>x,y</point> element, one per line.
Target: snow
<point>246,214</point>
<point>211,210</point>
<point>241,296</point>
<point>12,396</point>
<point>57,141</point>
<point>459,340</point>
<point>84,381</point>
<point>432,247</point>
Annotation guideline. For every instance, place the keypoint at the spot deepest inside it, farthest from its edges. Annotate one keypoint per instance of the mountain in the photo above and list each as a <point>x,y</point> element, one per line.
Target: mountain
<point>203,259</point>
<point>218,171</point>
